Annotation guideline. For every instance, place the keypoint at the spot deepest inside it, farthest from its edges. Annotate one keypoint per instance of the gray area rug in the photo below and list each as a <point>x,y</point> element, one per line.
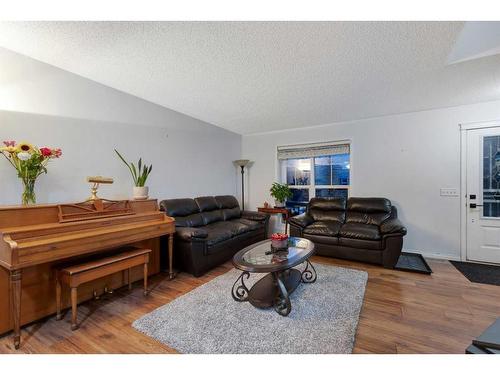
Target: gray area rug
<point>323,319</point>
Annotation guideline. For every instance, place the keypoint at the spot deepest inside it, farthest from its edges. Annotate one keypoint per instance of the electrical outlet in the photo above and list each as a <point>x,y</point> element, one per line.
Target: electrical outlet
<point>449,192</point>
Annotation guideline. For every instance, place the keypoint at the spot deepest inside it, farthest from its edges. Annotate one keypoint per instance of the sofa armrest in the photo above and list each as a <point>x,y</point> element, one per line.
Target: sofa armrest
<point>188,233</point>
<point>254,216</point>
<point>392,226</point>
<point>302,220</point>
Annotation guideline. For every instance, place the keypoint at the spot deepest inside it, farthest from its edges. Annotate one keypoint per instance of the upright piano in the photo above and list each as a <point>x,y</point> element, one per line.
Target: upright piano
<point>36,239</point>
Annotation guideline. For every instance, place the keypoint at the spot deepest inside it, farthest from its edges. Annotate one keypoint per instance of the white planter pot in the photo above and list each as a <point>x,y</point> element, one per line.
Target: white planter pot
<point>141,192</point>
<point>279,204</point>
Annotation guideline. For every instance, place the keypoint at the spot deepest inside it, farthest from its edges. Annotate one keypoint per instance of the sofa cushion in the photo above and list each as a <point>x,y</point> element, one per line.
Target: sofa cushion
<point>206,204</point>
<point>368,210</point>
<point>360,244</point>
<point>326,240</point>
<point>229,206</point>
<point>217,233</point>
<point>238,228</point>
<point>194,220</point>
<point>187,234</point>
<point>360,231</point>
<point>369,205</point>
<point>323,228</point>
<point>185,211</point>
<point>179,207</point>
<point>302,220</point>
<point>250,223</point>
<point>209,209</point>
<point>226,201</point>
<point>327,209</point>
<point>211,216</point>
<point>231,213</point>
<point>392,226</point>
<point>254,216</point>
<point>234,226</point>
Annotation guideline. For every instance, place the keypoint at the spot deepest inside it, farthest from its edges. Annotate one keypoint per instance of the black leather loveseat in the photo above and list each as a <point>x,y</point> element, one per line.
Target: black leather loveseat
<point>364,229</point>
<point>210,230</point>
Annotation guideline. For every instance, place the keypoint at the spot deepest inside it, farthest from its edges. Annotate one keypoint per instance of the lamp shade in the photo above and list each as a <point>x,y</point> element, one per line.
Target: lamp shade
<point>241,162</point>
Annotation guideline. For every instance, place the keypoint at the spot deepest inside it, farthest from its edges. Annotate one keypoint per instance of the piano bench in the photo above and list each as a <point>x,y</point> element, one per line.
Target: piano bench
<point>74,276</point>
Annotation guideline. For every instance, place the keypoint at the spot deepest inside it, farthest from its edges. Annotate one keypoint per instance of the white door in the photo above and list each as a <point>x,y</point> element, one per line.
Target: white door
<point>483,194</point>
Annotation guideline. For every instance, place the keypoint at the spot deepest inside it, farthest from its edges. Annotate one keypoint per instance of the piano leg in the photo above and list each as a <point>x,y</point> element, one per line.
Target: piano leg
<point>146,278</point>
<point>171,256</point>
<point>129,279</point>
<point>58,297</point>
<point>15,300</point>
<point>74,309</point>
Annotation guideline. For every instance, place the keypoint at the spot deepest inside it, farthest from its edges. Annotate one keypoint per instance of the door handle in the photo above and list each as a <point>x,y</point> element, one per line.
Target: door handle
<point>474,205</point>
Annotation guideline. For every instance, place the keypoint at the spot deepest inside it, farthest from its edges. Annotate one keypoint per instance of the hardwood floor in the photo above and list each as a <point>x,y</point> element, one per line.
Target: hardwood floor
<point>402,313</point>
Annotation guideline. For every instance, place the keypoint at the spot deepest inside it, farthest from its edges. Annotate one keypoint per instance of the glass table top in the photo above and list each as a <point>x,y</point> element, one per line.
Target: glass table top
<point>260,256</point>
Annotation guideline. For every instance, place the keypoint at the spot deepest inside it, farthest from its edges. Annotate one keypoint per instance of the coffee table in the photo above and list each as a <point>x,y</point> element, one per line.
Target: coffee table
<point>274,289</point>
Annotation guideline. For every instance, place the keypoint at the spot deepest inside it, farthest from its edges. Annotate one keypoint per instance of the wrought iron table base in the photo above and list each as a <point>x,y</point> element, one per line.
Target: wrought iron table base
<point>274,289</point>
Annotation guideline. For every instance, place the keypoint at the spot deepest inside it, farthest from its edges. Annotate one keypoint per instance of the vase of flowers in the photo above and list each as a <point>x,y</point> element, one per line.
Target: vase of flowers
<point>279,241</point>
<point>30,162</point>
<point>139,175</point>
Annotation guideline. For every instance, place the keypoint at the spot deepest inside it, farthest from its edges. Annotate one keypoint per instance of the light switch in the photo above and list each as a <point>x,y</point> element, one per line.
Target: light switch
<point>449,192</point>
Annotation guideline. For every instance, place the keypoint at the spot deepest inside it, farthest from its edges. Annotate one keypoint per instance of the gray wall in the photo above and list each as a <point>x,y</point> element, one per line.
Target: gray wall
<point>52,107</point>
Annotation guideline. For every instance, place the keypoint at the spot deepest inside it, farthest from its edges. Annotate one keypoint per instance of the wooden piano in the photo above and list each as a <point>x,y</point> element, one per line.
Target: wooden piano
<point>35,239</point>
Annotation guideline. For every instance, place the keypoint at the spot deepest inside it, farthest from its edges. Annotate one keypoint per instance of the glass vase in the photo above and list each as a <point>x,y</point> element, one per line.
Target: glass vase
<point>28,196</point>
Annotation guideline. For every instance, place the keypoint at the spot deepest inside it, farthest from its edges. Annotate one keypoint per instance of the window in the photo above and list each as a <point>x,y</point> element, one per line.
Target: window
<point>315,170</point>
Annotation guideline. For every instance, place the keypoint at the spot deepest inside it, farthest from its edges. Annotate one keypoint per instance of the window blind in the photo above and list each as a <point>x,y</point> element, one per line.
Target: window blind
<point>312,150</point>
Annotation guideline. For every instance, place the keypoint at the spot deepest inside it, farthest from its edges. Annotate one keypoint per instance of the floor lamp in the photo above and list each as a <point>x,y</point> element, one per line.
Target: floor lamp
<point>242,164</point>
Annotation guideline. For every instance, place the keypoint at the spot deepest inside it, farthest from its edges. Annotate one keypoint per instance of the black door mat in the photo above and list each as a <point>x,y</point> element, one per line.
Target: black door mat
<point>412,262</point>
<point>473,349</point>
<point>479,273</point>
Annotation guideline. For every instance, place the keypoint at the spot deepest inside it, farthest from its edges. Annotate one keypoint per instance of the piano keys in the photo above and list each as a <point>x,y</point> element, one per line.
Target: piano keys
<point>35,239</point>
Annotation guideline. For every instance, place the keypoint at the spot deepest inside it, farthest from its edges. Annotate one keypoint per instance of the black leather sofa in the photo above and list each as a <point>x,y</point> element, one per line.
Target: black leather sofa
<point>362,229</point>
<point>210,230</point>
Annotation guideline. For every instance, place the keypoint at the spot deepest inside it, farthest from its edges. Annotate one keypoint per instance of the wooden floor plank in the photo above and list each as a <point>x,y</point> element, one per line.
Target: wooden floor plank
<point>402,313</point>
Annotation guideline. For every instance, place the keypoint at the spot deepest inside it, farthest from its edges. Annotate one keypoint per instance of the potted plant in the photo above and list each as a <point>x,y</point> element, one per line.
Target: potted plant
<point>30,162</point>
<point>139,175</point>
<point>280,192</point>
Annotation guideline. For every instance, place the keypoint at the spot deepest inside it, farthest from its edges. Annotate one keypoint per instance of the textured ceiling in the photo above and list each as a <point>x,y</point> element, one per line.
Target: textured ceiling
<point>260,76</point>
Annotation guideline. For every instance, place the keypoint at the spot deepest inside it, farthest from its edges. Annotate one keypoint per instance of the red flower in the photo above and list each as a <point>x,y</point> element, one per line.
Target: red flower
<point>57,152</point>
<point>279,236</point>
<point>46,152</point>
